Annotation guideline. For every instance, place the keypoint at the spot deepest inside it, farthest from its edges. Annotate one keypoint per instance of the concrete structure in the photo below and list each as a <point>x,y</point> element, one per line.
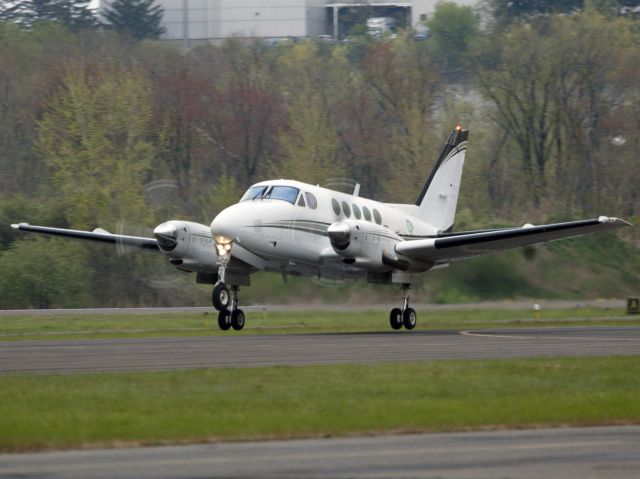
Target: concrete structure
<point>211,19</point>
<point>197,21</point>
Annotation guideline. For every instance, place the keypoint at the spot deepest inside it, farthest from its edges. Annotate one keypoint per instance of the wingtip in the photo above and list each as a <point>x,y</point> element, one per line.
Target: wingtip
<point>614,221</point>
<point>16,226</point>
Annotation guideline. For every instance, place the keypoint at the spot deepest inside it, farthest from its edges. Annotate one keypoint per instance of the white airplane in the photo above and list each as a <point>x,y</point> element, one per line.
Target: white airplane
<point>294,228</point>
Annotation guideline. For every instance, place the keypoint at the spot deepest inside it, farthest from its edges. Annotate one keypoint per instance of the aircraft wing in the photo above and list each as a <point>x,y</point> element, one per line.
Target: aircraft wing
<point>98,235</point>
<point>465,245</point>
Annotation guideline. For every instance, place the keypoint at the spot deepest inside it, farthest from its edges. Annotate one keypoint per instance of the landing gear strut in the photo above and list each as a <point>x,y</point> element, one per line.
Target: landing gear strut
<point>406,316</point>
<point>222,298</point>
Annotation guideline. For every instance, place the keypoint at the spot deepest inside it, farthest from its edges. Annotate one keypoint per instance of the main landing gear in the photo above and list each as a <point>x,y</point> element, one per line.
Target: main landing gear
<point>406,316</point>
<point>226,302</point>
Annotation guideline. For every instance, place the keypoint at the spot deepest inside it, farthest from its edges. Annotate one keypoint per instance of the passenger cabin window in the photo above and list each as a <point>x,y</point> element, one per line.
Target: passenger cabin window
<point>336,206</point>
<point>345,209</point>
<point>356,211</point>
<point>254,193</point>
<point>377,217</point>
<point>311,200</point>
<point>366,213</point>
<point>285,193</point>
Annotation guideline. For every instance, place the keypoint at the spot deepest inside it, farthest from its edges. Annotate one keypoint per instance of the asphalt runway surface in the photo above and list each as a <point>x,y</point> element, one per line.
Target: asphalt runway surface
<point>68,356</point>
<point>580,453</point>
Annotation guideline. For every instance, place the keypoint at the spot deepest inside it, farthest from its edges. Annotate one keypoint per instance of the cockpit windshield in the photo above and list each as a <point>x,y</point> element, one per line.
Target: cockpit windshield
<point>254,193</point>
<point>285,193</point>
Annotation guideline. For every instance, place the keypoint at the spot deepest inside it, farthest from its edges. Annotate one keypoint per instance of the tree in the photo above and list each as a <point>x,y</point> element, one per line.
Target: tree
<point>44,273</point>
<point>453,28</point>
<point>96,137</point>
<point>73,14</point>
<point>404,84</point>
<point>137,18</point>
<point>507,11</point>
<point>522,88</point>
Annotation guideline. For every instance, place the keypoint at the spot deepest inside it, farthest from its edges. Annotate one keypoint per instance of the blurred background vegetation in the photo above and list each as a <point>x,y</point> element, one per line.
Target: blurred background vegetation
<point>101,129</point>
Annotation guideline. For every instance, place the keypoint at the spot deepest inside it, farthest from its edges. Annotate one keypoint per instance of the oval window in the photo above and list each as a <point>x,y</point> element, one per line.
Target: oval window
<point>336,206</point>
<point>409,227</point>
<point>345,209</point>
<point>377,217</point>
<point>311,200</point>
<point>356,211</point>
<point>365,212</point>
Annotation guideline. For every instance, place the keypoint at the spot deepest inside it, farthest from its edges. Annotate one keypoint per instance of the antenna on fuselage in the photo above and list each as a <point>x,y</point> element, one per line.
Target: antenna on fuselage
<point>356,190</point>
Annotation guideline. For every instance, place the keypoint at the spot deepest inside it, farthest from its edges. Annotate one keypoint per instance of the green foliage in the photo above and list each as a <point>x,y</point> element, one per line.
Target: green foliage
<point>19,208</point>
<point>44,273</point>
<point>137,18</point>
<point>453,29</point>
<point>96,137</point>
<point>88,121</point>
<point>73,14</point>
<point>223,193</point>
<point>508,11</point>
<point>310,145</point>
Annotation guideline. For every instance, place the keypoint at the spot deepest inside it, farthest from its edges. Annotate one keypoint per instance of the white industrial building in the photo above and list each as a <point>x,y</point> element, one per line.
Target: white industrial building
<point>197,21</point>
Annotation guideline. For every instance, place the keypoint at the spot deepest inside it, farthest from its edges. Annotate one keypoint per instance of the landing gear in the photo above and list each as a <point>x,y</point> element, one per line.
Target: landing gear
<point>395,318</point>
<point>237,319</point>
<point>224,320</point>
<point>222,299</point>
<point>220,296</point>
<point>406,316</point>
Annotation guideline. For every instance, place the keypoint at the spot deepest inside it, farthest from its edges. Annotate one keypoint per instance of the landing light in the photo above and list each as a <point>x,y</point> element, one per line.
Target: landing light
<point>223,245</point>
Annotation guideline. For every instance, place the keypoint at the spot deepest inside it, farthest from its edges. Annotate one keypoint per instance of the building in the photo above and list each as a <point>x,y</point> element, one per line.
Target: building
<point>199,21</point>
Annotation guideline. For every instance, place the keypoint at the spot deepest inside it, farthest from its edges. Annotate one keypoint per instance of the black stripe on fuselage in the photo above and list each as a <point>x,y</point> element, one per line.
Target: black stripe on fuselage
<point>296,228</point>
<point>320,232</point>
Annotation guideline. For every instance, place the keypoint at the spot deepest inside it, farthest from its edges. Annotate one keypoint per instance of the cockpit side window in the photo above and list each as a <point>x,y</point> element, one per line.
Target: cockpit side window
<point>254,193</point>
<point>301,200</point>
<point>285,193</point>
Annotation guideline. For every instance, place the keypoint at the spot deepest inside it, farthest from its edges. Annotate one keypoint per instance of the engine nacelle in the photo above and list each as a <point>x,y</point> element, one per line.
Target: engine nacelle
<point>345,238</point>
<point>189,245</point>
<point>362,243</point>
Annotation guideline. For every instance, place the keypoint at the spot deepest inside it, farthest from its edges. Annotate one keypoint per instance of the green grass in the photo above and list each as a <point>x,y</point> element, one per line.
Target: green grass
<point>264,322</point>
<point>62,411</point>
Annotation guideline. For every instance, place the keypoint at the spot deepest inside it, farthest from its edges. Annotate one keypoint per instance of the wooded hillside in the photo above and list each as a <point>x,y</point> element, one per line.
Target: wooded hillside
<point>100,130</point>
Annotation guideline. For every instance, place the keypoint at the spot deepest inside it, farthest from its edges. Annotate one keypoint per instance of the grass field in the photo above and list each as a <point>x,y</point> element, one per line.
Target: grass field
<point>63,411</point>
<point>268,322</point>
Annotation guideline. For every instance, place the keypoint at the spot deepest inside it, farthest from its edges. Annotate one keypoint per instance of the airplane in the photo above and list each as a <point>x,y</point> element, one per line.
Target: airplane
<point>295,228</point>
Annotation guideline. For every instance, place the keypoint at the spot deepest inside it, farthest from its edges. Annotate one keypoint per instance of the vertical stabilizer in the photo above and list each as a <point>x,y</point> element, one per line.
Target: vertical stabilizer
<point>438,198</point>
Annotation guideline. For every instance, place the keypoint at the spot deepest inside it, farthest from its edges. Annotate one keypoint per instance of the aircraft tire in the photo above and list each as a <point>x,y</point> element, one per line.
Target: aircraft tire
<point>224,320</point>
<point>220,297</point>
<point>237,319</point>
<point>395,318</point>
<point>409,318</point>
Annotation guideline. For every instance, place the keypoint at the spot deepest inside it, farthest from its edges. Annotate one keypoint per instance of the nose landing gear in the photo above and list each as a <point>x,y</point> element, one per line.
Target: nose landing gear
<point>406,316</point>
<point>222,298</point>
<point>228,318</point>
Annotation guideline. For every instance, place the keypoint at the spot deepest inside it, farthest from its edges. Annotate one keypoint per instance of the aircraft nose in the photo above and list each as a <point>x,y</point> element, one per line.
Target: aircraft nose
<point>222,226</point>
<point>166,235</point>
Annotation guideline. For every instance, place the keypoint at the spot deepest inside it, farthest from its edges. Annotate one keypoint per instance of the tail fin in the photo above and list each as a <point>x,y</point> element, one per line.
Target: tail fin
<point>439,196</point>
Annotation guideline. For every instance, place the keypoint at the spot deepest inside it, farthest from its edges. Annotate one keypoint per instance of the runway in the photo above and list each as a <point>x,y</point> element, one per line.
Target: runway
<point>580,453</point>
<point>69,356</point>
